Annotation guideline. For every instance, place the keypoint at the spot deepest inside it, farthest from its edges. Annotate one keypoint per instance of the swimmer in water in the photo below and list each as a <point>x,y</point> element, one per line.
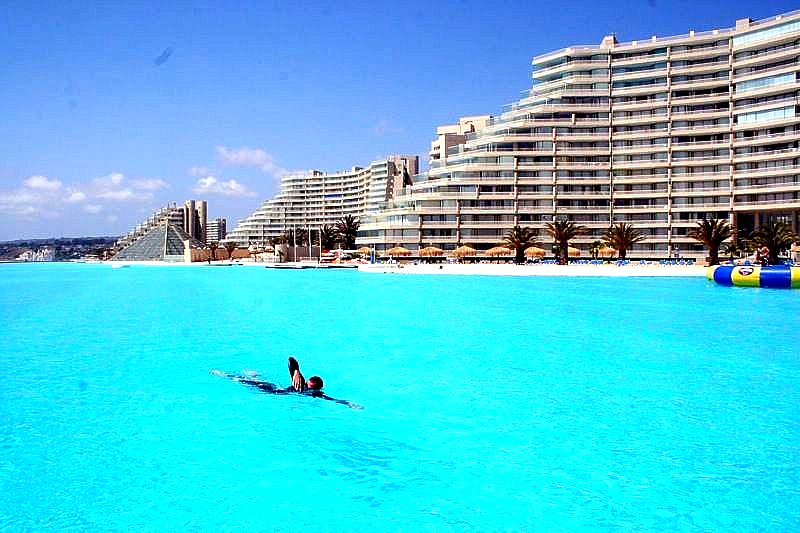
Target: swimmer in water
<point>311,387</point>
<point>299,384</point>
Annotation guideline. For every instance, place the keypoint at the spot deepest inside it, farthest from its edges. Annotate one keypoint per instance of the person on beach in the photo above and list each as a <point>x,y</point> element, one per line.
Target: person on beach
<point>311,387</point>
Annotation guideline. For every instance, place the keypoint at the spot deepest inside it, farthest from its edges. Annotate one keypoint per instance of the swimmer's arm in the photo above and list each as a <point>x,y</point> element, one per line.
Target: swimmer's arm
<point>263,386</point>
<point>349,404</point>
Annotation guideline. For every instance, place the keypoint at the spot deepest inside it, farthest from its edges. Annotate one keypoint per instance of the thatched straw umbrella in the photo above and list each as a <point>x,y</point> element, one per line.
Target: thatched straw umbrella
<point>364,250</point>
<point>498,251</point>
<point>399,251</point>
<point>606,251</point>
<point>464,251</point>
<point>573,252</point>
<point>431,251</point>
<point>534,251</point>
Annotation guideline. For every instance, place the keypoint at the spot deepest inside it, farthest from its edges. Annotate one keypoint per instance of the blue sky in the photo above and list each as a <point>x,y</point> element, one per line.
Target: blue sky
<point>109,110</point>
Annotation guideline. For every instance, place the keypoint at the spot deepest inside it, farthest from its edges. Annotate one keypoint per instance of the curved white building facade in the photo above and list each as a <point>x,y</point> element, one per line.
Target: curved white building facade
<point>658,133</point>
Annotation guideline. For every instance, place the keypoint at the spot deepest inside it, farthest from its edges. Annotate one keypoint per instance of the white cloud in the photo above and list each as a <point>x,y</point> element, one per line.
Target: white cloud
<point>109,188</point>
<point>248,157</point>
<point>211,185</point>
<point>19,197</point>
<point>42,197</point>
<point>149,185</point>
<point>75,196</point>
<point>42,183</point>
<point>199,172</point>
<point>123,195</point>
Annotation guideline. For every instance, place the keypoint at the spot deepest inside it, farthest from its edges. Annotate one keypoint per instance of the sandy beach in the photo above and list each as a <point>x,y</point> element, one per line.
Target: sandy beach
<point>486,269</point>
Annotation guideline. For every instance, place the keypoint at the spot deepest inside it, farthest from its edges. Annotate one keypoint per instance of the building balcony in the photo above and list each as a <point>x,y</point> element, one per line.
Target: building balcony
<point>767,57</point>
<point>702,191</point>
<point>712,83</point>
<point>637,60</point>
<point>642,163</point>
<point>699,145</point>
<point>582,136</point>
<point>768,171</point>
<point>700,115</point>
<point>640,89</point>
<point>701,176</point>
<point>700,129</point>
<point>494,225</point>
<point>648,73</point>
<point>700,160</point>
<point>582,180</point>
<point>509,138</point>
<point>702,98</point>
<point>776,188</point>
<point>774,205</point>
<point>699,53</point>
<point>535,210</point>
<point>784,102</point>
<point>628,209</point>
<point>583,196</point>
<point>640,149</point>
<point>773,71</point>
<point>544,86</point>
<point>764,138</point>
<point>712,206</point>
<point>699,69</point>
<point>641,119</point>
<point>657,178</point>
<point>766,91</point>
<point>579,151</point>
<point>766,155</point>
<point>566,209</point>
<point>634,106</point>
<point>576,64</point>
<point>641,194</point>
<point>488,210</point>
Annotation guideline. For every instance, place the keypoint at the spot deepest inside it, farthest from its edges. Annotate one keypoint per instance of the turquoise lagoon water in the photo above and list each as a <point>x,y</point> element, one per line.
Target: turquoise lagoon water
<point>490,403</point>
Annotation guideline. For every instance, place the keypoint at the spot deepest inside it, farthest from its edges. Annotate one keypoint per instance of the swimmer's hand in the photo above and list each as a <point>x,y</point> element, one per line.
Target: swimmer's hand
<point>297,381</point>
<point>352,405</point>
<point>216,372</point>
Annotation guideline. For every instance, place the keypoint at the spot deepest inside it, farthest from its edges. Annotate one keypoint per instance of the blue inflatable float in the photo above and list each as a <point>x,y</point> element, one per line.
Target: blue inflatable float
<point>776,277</point>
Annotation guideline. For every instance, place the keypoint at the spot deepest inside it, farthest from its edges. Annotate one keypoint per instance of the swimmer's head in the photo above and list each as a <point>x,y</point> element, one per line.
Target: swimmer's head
<point>314,383</point>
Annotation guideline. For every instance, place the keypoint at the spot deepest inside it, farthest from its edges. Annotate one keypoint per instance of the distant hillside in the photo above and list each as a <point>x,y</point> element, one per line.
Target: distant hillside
<point>66,248</point>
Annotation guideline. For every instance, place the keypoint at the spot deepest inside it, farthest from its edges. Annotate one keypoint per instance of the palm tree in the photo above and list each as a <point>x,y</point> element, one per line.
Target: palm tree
<point>347,228</point>
<point>562,232</point>
<point>622,237</point>
<point>328,235</point>
<point>737,246</point>
<point>594,249</point>
<point>777,236</point>
<point>213,245</point>
<point>230,246</point>
<point>518,239</point>
<point>712,233</point>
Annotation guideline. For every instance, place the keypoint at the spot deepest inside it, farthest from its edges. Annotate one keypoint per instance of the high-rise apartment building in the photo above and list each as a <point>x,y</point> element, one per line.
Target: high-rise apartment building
<point>658,133</point>
<point>315,198</point>
<point>216,230</point>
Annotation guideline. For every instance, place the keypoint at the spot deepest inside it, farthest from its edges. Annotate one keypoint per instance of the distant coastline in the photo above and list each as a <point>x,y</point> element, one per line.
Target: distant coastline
<point>66,248</point>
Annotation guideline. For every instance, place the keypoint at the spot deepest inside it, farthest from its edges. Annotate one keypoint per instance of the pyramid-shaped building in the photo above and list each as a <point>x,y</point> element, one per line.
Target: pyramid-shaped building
<point>166,242</point>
